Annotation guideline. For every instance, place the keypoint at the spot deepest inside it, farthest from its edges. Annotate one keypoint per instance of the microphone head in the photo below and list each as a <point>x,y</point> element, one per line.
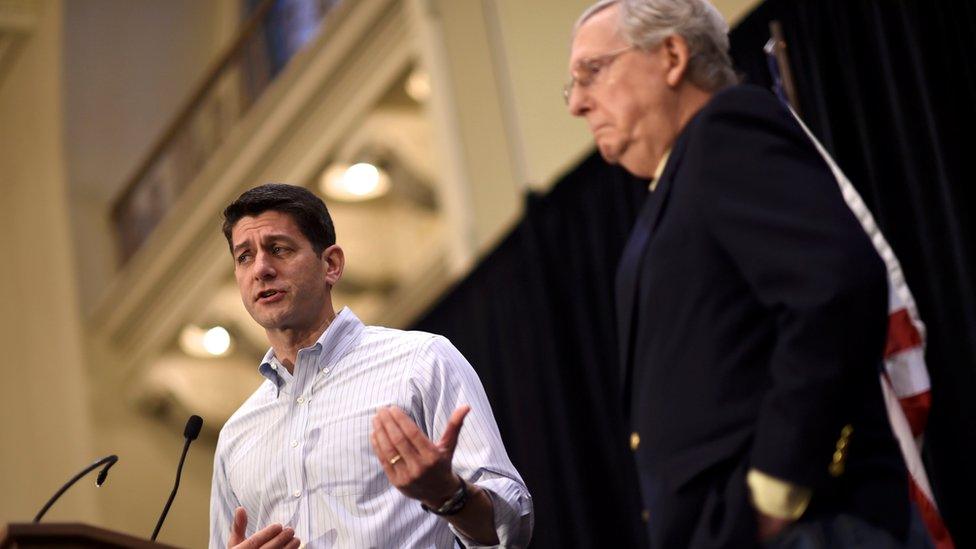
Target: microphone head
<point>192,429</point>
<point>103,474</point>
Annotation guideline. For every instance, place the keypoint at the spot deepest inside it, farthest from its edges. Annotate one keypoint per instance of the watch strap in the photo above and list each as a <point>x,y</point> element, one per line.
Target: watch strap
<point>453,505</point>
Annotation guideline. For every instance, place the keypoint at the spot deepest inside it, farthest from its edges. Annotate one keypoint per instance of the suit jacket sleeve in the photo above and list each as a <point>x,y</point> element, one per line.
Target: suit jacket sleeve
<point>770,202</point>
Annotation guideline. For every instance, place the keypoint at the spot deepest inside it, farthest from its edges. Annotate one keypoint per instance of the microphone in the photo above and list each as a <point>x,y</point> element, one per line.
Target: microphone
<point>190,433</point>
<point>107,461</point>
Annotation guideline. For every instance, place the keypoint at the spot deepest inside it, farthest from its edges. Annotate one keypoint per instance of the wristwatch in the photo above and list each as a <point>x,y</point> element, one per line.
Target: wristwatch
<point>453,505</point>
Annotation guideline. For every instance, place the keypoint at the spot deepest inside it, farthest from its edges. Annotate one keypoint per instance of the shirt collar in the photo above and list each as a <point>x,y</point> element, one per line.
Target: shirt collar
<point>337,340</point>
<point>659,171</point>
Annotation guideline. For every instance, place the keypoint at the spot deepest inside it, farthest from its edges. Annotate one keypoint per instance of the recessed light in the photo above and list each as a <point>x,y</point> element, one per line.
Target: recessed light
<point>216,341</point>
<point>418,86</point>
<point>361,181</point>
<point>200,342</point>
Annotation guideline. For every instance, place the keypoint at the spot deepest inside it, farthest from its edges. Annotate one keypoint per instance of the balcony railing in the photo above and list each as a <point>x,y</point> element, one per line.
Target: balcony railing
<point>271,35</point>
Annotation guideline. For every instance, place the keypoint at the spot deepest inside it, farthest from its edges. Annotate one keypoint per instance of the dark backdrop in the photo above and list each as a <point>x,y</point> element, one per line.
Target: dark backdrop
<point>535,318</point>
<point>889,88</point>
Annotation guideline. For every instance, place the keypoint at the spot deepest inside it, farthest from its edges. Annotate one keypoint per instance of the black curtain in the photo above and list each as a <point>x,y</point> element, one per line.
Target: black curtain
<point>535,318</point>
<point>889,87</point>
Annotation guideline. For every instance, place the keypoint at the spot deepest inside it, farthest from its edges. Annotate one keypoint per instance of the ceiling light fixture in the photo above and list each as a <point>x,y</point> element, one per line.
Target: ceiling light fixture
<point>361,181</point>
<point>200,342</point>
<point>216,341</point>
<point>418,86</point>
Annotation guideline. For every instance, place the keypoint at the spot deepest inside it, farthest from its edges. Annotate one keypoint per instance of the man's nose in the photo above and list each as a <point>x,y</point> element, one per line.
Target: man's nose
<point>578,100</point>
<point>263,267</point>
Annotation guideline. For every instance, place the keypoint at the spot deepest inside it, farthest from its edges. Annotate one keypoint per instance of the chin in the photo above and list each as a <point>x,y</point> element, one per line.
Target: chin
<point>610,154</point>
<point>267,324</point>
<point>638,167</point>
<point>270,321</point>
<point>636,171</point>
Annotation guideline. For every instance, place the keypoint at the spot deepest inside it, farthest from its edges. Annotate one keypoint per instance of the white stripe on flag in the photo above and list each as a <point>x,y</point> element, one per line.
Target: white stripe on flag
<point>907,372</point>
<point>903,433</point>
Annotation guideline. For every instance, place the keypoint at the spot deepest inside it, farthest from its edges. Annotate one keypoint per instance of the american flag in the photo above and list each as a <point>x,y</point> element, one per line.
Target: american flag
<point>905,378</point>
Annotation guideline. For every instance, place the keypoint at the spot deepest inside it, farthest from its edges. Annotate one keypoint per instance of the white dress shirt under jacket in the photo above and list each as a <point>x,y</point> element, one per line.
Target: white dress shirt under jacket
<point>297,452</point>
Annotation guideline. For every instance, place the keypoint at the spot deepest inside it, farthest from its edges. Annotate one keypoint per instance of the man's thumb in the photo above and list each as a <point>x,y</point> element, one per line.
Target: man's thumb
<point>453,430</point>
<point>239,528</point>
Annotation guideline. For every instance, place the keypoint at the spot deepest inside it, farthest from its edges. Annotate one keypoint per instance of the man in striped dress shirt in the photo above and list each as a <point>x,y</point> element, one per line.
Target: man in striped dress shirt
<point>355,439</point>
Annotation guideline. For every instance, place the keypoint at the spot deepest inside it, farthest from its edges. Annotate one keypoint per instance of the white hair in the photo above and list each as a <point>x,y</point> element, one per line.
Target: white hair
<point>646,23</point>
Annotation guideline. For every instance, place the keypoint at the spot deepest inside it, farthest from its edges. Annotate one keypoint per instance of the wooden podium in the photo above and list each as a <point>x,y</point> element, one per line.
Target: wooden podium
<point>68,535</point>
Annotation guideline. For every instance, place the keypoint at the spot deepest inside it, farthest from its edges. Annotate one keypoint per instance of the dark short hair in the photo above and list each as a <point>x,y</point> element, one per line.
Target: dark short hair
<point>307,210</point>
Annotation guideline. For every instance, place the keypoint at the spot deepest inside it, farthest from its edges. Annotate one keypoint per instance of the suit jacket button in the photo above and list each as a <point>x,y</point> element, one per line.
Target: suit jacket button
<point>645,515</point>
<point>634,441</point>
<point>836,468</point>
<point>839,458</point>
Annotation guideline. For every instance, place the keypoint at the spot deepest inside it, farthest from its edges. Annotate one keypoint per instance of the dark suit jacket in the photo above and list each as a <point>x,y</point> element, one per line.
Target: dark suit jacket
<point>752,315</point>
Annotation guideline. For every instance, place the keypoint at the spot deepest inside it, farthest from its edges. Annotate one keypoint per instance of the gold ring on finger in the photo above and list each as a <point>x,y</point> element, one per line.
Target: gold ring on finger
<point>395,459</point>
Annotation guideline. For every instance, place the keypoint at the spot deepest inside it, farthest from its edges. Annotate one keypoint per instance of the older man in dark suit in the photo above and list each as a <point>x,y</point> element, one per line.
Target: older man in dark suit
<point>751,304</point>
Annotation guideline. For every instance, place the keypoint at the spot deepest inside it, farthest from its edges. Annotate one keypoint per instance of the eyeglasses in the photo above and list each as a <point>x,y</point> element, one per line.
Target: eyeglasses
<point>588,69</point>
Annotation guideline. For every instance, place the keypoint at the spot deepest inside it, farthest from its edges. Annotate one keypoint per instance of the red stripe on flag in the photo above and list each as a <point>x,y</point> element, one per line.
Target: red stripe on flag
<point>930,516</point>
<point>916,408</point>
<point>901,333</point>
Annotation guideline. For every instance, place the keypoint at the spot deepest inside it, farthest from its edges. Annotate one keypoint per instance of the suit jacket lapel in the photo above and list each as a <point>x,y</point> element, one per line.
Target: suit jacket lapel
<point>631,262</point>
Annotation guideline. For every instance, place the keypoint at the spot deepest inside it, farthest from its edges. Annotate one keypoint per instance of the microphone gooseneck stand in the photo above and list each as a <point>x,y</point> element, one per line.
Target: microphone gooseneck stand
<point>107,461</point>
<point>190,433</point>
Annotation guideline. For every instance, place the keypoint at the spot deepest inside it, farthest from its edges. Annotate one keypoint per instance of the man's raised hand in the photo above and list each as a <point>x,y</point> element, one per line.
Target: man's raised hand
<point>415,465</point>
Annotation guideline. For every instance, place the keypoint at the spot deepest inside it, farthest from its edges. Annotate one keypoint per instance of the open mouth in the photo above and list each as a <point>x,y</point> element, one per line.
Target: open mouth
<point>269,295</point>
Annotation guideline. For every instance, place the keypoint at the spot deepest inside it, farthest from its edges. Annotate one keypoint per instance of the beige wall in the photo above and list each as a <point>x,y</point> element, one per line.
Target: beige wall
<point>473,127</point>
<point>534,42</point>
<point>46,430</point>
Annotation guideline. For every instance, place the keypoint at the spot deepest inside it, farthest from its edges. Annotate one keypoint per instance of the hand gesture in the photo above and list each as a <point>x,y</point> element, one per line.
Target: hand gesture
<point>416,466</point>
<point>274,536</point>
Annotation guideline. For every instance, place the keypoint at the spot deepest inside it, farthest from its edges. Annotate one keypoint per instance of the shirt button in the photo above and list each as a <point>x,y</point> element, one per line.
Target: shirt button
<point>294,444</point>
<point>297,493</point>
<point>301,400</point>
<point>274,366</point>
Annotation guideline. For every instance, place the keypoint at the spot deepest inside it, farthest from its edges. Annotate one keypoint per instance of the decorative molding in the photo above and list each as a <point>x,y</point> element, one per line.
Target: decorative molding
<point>18,18</point>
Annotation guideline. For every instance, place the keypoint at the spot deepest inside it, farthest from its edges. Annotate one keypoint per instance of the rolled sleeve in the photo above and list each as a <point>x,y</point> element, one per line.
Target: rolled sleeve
<point>445,380</point>
<point>512,507</point>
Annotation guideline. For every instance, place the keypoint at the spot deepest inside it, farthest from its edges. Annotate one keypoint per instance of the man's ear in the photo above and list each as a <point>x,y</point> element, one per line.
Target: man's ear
<point>676,49</point>
<point>335,260</point>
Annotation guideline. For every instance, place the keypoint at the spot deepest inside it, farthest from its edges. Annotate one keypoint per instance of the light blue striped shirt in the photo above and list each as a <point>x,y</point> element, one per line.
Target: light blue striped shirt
<point>297,452</point>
